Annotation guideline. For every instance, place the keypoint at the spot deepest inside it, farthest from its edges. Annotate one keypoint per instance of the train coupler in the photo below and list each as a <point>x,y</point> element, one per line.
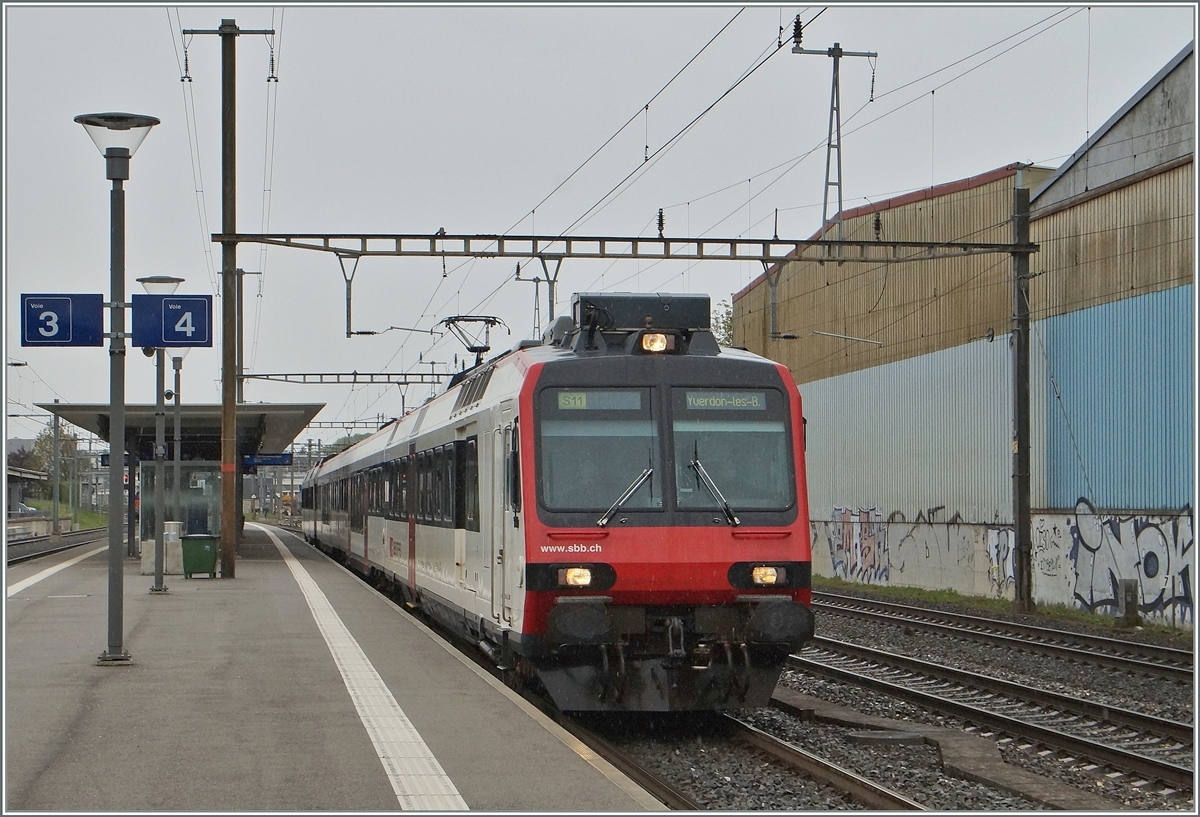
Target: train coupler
<point>737,687</point>
<point>612,680</point>
<point>676,653</point>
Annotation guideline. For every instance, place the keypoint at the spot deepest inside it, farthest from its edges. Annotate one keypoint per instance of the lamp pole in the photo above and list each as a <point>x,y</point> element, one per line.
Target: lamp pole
<point>55,530</point>
<point>118,136</point>
<point>177,365</point>
<point>159,285</point>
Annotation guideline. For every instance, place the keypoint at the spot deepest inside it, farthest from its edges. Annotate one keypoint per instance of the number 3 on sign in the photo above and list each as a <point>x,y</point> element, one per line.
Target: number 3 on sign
<point>184,325</point>
<point>51,324</point>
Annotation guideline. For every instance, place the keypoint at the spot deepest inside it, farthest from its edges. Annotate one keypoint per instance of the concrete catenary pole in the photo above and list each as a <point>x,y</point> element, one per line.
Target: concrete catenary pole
<point>1022,529</point>
<point>229,466</point>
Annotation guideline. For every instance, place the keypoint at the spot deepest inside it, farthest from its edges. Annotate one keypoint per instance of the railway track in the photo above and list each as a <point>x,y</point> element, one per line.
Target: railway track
<point>1127,656</point>
<point>667,794</point>
<point>32,548</point>
<point>1151,748</point>
<point>870,794</point>
<point>746,737</point>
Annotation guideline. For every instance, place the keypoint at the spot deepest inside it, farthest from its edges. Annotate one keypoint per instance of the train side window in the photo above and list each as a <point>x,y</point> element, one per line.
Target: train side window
<point>410,486</point>
<point>449,489</point>
<point>439,484</point>
<point>423,485</point>
<point>470,483</point>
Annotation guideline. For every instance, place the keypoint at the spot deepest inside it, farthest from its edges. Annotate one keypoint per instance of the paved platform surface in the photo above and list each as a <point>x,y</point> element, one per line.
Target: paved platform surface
<point>292,687</point>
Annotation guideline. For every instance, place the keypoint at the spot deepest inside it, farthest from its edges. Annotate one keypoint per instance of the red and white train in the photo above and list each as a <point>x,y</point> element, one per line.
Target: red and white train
<point>618,512</point>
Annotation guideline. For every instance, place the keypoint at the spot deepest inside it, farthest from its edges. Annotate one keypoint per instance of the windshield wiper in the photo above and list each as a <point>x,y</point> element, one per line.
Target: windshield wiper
<point>623,498</point>
<point>712,488</point>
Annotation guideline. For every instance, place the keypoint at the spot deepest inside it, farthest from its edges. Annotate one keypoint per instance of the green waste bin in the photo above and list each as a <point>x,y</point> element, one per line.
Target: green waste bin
<point>199,554</point>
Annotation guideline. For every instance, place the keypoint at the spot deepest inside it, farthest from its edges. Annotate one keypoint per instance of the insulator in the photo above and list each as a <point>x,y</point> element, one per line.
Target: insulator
<point>797,31</point>
<point>662,222</point>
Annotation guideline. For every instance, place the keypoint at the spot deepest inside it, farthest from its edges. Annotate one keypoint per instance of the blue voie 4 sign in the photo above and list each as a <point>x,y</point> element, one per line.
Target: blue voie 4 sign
<point>172,320</point>
<point>62,320</point>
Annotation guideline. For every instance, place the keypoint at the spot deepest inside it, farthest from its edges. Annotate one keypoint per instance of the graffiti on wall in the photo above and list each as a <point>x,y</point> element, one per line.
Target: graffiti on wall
<point>857,542</point>
<point>1154,550</point>
<point>924,552</point>
<point>1001,544</point>
<point>1077,559</point>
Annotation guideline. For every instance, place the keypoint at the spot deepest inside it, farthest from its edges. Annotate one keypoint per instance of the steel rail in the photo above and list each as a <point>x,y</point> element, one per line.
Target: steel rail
<point>23,550</point>
<point>1166,662</point>
<point>1175,775</point>
<point>663,791</point>
<point>1182,732</point>
<point>870,794</point>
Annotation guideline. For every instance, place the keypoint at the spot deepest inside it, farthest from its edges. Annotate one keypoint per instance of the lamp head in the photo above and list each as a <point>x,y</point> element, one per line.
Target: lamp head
<point>117,130</point>
<point>148,351</point>
<point>160,284</point>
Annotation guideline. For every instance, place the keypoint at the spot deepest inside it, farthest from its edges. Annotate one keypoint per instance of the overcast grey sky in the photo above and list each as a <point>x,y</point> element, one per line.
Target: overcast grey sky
<point>398,119</point>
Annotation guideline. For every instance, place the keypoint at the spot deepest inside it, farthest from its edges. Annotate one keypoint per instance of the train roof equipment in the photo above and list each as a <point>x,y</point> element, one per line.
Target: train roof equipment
<point>633,323</point>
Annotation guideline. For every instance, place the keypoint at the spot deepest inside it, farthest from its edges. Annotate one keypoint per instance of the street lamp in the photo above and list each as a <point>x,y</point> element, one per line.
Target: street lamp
<point>159,285</point>
<point>118,136</point>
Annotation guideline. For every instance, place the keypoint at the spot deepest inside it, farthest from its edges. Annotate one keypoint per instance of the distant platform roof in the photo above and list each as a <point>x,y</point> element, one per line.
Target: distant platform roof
<point>262,428</point>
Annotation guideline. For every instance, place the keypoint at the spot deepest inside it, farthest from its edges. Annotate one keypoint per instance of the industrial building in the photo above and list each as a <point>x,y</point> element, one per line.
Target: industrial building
<point>907,374</point>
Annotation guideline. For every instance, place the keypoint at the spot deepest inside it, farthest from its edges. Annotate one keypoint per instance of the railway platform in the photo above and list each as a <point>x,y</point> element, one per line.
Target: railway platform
<point>293,687</point>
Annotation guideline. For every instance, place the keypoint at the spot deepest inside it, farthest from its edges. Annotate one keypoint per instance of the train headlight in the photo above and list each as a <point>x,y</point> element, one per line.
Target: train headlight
<point>657,342</point>
<point>575,576</point>
<point>766,575</point>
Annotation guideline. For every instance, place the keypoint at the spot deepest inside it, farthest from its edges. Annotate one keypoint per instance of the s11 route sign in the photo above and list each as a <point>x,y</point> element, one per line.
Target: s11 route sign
<point>62,320</point>
<point>172,320</point>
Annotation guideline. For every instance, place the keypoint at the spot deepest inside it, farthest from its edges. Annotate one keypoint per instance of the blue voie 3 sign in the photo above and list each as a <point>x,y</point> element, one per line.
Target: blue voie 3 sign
<point>62,320</point>
<point>172,320</point>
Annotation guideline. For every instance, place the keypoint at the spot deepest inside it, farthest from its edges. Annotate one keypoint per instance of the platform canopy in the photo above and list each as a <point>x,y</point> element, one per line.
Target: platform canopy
<point>262,428</point>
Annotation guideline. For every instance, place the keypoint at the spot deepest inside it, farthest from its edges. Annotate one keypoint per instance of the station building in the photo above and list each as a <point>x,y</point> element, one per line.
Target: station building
<point>907,375</point>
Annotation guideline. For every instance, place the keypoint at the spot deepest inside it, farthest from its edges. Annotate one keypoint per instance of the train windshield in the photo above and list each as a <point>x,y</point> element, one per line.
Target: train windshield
<point>731,443</point>
<point>595,445</point>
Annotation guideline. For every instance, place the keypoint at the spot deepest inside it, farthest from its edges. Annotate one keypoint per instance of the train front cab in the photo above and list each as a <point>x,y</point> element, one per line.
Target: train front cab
<point>668,561</point>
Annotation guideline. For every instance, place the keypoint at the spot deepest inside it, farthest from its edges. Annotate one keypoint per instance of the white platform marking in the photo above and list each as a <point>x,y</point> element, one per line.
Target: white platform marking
<point>417,778</point>
<point>50,571</point>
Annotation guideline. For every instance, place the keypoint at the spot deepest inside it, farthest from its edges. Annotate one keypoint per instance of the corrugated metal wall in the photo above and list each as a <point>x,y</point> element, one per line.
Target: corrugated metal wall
<point>911,308</point>
<point>927,437</point>
<point>1118,430</point>
<point>1134,240</point>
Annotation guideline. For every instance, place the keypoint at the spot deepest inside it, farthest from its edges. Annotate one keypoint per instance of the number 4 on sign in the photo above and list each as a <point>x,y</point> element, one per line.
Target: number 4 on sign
<point>184,325</point>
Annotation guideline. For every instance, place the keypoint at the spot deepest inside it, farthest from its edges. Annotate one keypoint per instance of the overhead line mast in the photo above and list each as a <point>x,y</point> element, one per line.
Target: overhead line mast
<point>230,472</point>
<point>834,139</point>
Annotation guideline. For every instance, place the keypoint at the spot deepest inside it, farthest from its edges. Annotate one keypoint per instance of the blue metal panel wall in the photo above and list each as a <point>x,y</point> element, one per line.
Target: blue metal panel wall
<point>1119,427</point>
<point>928,437</point>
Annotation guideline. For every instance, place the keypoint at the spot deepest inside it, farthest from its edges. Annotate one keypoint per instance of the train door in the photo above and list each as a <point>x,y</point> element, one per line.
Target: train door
<point>498,533</point>
<point>514,546</point>
<point>466,504</point>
